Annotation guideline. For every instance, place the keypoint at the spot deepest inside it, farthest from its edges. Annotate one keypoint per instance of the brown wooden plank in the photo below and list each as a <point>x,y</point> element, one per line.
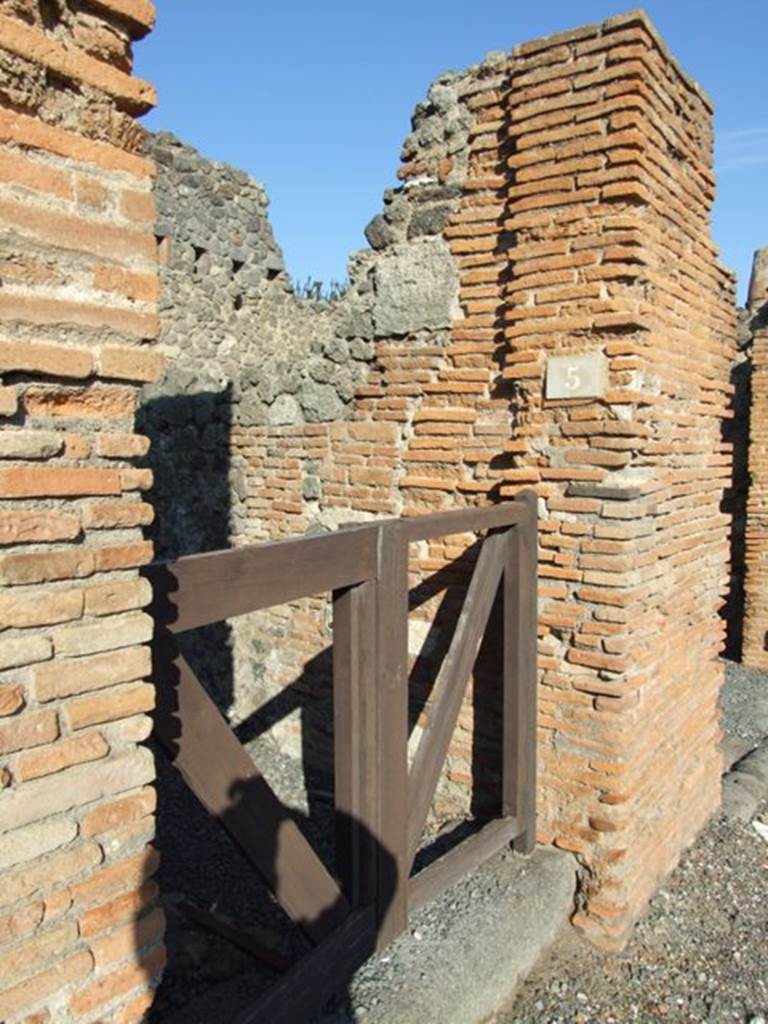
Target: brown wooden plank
<point>320,974</point>
<point>520,671</point>
<point>462,520</point>
<point>246,940</point>
<point>451,685</point>
<point>458,862</point>
<point>221,774</point>
<point>354,735</point>
<point>392,731</point>
<point>199,589</point>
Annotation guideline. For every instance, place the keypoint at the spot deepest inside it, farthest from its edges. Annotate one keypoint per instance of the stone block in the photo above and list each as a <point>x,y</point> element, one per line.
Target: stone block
<point>416,287</point>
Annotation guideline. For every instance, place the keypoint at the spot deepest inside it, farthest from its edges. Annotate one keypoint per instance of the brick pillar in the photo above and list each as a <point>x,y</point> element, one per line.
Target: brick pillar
<point>755,647</point>
<point>79,934</point>
<point>609,199</point>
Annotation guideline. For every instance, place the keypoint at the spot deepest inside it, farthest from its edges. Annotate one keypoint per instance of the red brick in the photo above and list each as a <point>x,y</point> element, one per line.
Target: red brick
<point>44,566</point>
<point>138,207</point>
<point>64,972</point>
<point>109,514</point>
<point>46,874</point>
<point>96,402</point>
<point>41,48</point>
<point>114,879</point>
<point>81,675</point>
<point>32,133</point>
<point>116,703</point>
<point>141,287</point>
<point>50,360</point>
<point>140,12</point>
<point>31,729</point>
<point>117,596</point>
<point>11,699</point>
<point>122,908</point>
<point>65,231</point>
<point>37,527</point>
<point>107,987</point>
<point>38,310</point>
<point>121,446</point>
<point>30,956</point>
<point>118,813</point>
<point>125,942</point>
<point>123,556</point>
<point>55,482</point>
<point>20,170</point>
<point>67,752</point>
<point>131,364</point>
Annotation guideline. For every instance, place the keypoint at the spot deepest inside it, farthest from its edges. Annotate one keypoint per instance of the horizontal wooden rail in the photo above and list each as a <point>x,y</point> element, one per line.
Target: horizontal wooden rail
<point>464,520</point>
<point>199,589</point>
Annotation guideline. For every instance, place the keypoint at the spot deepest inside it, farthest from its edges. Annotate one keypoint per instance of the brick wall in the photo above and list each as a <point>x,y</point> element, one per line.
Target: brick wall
<point>79,935</point>
<point>570,184</point>
<point>755,648</point>
<point>552,201</point>
<point>612,188</point>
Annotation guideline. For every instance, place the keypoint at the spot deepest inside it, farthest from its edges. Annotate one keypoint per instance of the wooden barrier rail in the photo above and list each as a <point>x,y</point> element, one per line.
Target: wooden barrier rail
<point>381,804</point>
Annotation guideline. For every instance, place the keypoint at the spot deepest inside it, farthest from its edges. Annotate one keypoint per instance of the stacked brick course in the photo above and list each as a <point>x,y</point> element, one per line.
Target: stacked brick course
<point>755,648</point>
<point>571,182</point>
<point>610,204</point>
<point>79,932</point>
<point>552,201</point>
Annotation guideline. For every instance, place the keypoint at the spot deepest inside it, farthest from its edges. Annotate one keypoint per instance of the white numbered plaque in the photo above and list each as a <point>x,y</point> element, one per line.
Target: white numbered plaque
<point>578,376</point>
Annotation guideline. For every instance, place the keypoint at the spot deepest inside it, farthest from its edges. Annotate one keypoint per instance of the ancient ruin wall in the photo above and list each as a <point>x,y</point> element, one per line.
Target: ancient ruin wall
<point>554,201</point>
<point>610,208</point>
<point>755,647</point>
<point>245,349</point>
<point>79,930</point>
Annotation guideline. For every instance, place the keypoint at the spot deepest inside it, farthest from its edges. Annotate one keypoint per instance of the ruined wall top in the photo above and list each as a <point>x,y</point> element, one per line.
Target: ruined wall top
<point>758,282</point>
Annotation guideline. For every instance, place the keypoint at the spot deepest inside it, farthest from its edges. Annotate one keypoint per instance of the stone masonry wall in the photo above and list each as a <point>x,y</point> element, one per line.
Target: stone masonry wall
<point>755,649</point>
<point>80,936</point>
<point>554,200</point>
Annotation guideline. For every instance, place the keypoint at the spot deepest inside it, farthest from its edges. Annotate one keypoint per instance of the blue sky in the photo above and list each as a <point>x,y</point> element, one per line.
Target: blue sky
<point>315,99</point>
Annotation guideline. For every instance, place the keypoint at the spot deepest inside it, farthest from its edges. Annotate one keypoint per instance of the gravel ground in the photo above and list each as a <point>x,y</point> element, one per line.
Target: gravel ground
<point>201,865</point>
<point>744,700</point>
<point>700,955</point>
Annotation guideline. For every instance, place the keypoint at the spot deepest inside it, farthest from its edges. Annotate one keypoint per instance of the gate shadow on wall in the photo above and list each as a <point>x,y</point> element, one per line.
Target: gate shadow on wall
<point>189,457</point>
<point>200,865</point>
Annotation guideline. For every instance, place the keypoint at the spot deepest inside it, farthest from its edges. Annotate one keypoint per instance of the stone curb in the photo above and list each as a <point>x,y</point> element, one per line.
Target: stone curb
<point>462,958</point>
<point>746,785</point>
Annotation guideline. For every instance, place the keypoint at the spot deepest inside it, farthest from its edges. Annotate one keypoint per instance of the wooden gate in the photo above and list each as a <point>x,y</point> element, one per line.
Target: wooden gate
<point>381,802</point>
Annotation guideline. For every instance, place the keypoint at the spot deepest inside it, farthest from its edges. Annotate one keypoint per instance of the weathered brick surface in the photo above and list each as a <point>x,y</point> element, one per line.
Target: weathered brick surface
<point>556,201</point>
<point>577,220</point>
<point>755,644</point>
<point>79,320</point>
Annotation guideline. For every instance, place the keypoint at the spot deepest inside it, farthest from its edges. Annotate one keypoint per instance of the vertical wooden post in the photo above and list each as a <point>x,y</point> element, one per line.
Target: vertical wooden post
<point>354,737</point>
<point>519,716</point>
<point>392,731</point>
